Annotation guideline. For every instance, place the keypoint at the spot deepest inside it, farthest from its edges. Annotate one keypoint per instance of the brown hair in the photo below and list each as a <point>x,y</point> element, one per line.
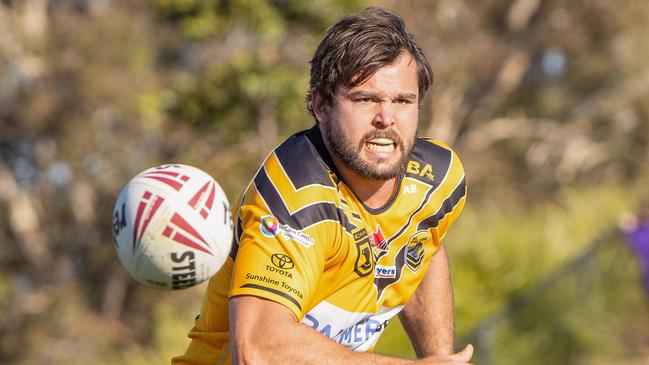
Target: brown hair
<point>358,45</point>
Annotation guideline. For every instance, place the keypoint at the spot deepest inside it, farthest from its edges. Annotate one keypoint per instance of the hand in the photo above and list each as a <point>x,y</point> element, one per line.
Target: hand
<point>457,358</point>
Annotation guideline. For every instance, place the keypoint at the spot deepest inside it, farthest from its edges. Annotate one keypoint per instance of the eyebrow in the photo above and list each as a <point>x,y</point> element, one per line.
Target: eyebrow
<point>407,96</point>
<point>362,93</point>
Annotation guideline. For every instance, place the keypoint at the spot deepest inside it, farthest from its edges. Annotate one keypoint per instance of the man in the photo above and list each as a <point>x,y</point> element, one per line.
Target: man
<point>341,228</point>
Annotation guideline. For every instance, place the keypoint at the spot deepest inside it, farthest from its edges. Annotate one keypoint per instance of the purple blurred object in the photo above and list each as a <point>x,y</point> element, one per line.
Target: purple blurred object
<point>638,239</point>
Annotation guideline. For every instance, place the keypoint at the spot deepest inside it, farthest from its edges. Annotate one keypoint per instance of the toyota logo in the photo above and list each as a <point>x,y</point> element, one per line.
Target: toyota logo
<point>282,261</point>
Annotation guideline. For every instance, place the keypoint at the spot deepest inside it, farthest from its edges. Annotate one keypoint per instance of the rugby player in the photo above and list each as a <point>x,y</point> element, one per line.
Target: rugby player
<point>341,228</point>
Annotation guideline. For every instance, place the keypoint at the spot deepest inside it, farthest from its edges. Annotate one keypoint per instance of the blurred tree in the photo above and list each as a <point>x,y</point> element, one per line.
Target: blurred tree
<point>546,92</point>
<point>245,74</point>
<point>536,96</point>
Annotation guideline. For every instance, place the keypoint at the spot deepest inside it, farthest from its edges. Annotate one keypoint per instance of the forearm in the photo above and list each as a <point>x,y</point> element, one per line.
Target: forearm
<point>428,318</point>
<point>278,338</point>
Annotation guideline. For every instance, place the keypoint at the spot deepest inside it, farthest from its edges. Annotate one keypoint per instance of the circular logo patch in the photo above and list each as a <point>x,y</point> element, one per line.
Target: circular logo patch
<point>269,226</point>
<point>282,261</point>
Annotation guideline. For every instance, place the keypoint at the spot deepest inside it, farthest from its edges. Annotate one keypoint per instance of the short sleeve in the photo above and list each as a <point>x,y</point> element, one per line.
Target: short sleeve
<point>457,193</point>
<point>277,259</point>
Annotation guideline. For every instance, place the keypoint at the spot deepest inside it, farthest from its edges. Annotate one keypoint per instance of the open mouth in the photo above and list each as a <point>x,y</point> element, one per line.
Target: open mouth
<point>380,145</point>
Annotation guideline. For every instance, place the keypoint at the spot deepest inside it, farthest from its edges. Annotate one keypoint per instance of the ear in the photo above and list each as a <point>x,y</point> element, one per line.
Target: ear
<point>319,106</point>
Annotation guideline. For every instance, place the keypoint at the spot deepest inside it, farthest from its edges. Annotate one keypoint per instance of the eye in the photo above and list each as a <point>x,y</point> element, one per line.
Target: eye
<point>364,100</point>
<point>403,101</point>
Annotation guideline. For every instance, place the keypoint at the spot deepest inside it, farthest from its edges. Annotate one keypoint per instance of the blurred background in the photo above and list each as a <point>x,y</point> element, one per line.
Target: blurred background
<point>546,101</point>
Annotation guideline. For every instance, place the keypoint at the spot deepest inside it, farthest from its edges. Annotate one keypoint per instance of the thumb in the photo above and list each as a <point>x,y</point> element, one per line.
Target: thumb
<point>465,355</point>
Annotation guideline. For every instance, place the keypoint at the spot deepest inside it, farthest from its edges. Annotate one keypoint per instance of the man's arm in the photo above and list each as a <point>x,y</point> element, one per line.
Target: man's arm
<point>265,332</point>
<point>428,317</point>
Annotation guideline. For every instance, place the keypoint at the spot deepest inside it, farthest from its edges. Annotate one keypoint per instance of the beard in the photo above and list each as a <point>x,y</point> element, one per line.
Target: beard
<point>349,152</point>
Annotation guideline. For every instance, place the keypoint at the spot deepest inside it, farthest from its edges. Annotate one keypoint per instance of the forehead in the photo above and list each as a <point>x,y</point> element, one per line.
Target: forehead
<point>396,78</point>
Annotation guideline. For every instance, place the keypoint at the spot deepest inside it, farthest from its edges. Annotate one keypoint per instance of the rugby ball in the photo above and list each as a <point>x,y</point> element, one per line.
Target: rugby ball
<point>172,227</point>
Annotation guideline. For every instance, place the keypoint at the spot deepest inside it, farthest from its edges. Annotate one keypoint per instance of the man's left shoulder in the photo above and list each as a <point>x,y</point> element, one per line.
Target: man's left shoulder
<point>432,148</point>
<point>434,158</point>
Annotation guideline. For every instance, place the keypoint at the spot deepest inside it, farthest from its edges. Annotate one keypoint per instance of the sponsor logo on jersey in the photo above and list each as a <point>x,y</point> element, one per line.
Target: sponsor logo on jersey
<point>361,233</point>
<point>415,168</point>
<point>415,249</point>
<point>410,189</point>
<point>361,332</point>
<point>380,246</point>
<point>281,264</point>
<point>271,227</point>
<point>352,336</point>
<point>381,271</point>
<point>365,259</point>
<point>378,241</point>
<point>279,283</point>
<point>282,261</point>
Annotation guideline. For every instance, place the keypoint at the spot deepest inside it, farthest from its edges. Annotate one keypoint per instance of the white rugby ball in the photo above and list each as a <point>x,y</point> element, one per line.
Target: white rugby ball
<point>172,227</point>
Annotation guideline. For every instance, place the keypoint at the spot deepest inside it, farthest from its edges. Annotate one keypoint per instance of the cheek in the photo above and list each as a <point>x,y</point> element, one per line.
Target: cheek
<point>356,113</point>
<point>349,124</point>
<point>352,135</point>
<point>409,122</point>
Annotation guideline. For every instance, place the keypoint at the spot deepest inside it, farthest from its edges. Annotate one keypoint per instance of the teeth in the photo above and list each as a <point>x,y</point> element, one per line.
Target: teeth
<point>382,141</point>
<point>375,146</point>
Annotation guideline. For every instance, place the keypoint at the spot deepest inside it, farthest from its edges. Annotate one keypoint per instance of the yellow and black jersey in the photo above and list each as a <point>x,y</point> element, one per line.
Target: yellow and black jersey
<point>305,241</point>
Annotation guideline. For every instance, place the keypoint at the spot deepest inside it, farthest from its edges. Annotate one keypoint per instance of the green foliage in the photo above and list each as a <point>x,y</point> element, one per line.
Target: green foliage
<point>497,258</point>
<point>253,88</point>
<point>583,311</point>
<point>256,76</point>
<point>247,77</point>
<point>269,20</point>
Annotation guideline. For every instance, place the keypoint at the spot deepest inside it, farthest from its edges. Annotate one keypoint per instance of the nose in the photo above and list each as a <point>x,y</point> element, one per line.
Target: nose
<point>384,116</point>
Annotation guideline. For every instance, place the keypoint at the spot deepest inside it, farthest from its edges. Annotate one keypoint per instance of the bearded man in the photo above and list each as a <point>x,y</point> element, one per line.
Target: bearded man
<point>341,228</point>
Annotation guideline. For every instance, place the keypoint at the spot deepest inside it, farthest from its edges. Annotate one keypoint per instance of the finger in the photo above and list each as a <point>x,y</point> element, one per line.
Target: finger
<point>465,355</point>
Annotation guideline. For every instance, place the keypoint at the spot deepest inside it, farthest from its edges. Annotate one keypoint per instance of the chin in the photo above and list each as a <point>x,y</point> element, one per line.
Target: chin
<point>380,173</point>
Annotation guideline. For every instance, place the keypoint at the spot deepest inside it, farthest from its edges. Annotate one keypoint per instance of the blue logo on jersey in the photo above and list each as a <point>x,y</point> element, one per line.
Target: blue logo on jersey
<point>353,335</point>
<point>381,271</point>
<point>271,227</point>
